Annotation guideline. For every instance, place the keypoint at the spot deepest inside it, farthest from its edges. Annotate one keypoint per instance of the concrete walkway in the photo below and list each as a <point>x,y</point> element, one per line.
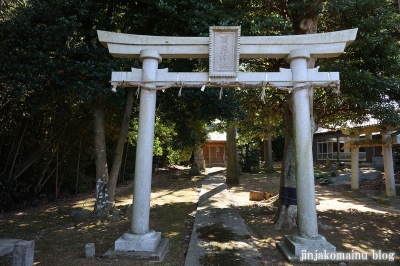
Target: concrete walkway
<point>219,235</point>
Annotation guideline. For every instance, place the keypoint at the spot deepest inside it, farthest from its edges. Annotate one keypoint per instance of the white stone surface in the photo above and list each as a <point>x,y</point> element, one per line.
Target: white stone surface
<point>7,245</point>
<point>388,166</point>
<point>138,242</point>
<point>355,183</point>
<point>298,244</point>
<point>24,252</point>
<point>306,210</point>
<point>90,250</point>
<point>224,51</point>
<point>282,78</point>
<point>144,148</point>
<point>319,45</point>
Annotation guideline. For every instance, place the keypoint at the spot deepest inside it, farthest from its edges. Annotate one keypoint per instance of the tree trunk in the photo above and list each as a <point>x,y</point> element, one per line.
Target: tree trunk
<point>119,149</point>
<point>100,156</point>
<point>269,162</point>
<point>232,173</point>
<point>287,211</point>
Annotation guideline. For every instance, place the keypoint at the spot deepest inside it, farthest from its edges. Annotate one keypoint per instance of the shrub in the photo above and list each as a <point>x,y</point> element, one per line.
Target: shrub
<point>324,178</point>
<point>16,194</point>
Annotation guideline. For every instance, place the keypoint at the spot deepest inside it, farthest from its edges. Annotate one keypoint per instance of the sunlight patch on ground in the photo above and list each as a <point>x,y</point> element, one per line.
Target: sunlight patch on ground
<point>171,234</point>
<point>23,225</point>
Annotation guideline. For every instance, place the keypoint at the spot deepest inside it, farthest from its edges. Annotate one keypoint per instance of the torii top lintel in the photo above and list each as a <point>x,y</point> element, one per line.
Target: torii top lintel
<point>320,45</point>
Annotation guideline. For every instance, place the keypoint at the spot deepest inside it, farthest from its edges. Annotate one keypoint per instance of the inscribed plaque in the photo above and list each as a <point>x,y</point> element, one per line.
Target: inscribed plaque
<point>224,51</point>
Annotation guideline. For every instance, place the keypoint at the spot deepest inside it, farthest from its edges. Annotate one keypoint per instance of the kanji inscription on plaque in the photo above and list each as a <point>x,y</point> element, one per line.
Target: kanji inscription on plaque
<point>224,51</point>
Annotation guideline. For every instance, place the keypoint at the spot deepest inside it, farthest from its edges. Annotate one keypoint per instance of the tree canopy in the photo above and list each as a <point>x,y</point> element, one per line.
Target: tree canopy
<point>53,69</point>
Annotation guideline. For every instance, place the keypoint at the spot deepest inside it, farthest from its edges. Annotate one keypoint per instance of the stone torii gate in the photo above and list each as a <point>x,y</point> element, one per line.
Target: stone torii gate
<point>224,47</point>
<point>385,142</point>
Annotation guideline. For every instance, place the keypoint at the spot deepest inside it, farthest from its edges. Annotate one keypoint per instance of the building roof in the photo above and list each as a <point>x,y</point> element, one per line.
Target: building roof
<point>216,136</point>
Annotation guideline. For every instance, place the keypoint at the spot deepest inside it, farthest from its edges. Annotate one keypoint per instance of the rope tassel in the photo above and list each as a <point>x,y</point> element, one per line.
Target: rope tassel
<point>114,88</point>
<point>203,88</point>
<point>180,92</point>
<point>137,92</point>
<point>221,93</point>
<point>263,94</point>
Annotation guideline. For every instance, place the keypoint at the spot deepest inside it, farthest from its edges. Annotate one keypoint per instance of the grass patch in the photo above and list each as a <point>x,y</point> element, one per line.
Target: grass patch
<point>216,232</point>
<point>230,258</point>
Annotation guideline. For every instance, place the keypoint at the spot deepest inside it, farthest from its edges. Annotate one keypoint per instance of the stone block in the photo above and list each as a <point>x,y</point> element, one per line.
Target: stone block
<point>103,213</point>
<point>298,245</point>
<point>392,201</point>
<point>128,211</point>
<point>365,200</point>
<point>354,194</point>
<point>138,242</point>
<point>157,255</point>
<point>348,194</point>
<point>295,247</point>
<point>90,250</point>
<point>7,246</point>
<point>82,216</point>
<point>24,253</point>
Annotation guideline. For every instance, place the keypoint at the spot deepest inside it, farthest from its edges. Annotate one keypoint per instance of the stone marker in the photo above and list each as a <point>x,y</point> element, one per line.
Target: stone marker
<point>24,253</point>
<point>90,250</point>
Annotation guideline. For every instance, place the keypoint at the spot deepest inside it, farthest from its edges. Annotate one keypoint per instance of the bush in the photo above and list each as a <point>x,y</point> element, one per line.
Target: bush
<point>249,159</point>
<point>16,194</point>
<point>324,178</point>
<point>396,159</point>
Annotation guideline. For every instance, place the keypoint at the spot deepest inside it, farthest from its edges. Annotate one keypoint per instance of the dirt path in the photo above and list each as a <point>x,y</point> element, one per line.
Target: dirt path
<point>350,225</point>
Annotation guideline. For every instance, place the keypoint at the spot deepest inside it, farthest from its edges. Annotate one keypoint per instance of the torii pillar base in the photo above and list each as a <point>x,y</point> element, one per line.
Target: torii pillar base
<point>148,246</point>
<point>301,249</point>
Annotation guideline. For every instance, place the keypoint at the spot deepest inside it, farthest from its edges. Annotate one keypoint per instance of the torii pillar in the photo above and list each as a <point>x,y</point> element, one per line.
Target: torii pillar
<point>140,237</point>
<point>307,240</point>
<point>388,164</point>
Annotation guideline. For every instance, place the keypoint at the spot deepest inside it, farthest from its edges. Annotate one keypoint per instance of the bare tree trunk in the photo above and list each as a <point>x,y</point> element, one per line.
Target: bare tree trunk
<point>35,155</point>
<point>269,162</point>
<point>17,151</point>
<point>100,157</point>
<point>286,215</point>
<point>78,167</point>
<point>119,149</point>
<point>232,173</point>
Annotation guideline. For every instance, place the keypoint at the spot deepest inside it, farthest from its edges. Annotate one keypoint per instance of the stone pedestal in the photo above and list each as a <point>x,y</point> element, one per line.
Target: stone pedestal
<point>391,201</point>
<point>138,242</point>
<point>295,248</point>
<point>198,158</point>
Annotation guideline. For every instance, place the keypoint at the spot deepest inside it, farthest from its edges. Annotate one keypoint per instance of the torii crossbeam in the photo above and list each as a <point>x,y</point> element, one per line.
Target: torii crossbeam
<point>224,47</point>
